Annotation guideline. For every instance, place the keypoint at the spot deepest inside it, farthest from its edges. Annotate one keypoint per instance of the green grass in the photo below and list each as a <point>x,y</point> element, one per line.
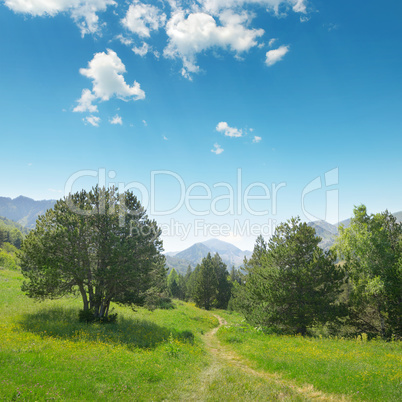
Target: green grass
<point>46,354</point>
<point>361,370</point>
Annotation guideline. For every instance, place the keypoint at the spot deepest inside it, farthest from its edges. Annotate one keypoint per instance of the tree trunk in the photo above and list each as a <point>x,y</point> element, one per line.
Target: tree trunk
<point>84,296</point>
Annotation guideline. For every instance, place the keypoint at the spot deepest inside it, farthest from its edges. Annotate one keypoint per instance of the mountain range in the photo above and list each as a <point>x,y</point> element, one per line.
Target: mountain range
<point>24,210</point>
<point>230,254</point>
<point>329,233</point>
<point>233,256</point>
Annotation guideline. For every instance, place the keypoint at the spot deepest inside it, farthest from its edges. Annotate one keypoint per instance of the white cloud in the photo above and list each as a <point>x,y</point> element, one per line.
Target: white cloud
<point>141,19</point>
<point>165,138</point>
<point>52,190</point>
<point>106,72</point>
<point>217,149</point>
<point>257,139</point>
<point>144,123</point>
<point>215,6</point>
<point>300,6</point>
<point>223,127</point>
<point>123,40</point>
<point>273,56</point>
<point>331,26</point>
<point>199,32</point>
<point>85,102</point>
<point>116,120</point>
<point>272,41</point>
<point>94,120</point>
<point>141,51</point>
<point>83,12</point>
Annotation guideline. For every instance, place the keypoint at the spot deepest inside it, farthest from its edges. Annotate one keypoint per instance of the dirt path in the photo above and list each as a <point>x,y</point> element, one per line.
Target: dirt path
<point>224,359</point>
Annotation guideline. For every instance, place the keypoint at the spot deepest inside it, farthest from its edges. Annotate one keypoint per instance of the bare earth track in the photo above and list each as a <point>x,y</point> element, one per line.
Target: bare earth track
<point>228,367</point>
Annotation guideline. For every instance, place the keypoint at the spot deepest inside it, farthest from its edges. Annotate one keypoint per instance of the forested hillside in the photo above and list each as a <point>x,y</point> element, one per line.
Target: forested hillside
<point>24,210</point>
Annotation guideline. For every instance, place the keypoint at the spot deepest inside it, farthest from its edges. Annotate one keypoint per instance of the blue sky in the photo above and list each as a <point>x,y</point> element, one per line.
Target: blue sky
<point>284,90</point>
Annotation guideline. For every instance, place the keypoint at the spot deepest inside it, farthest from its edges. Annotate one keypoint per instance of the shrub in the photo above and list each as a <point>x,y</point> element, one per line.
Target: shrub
<point>7,261</point>
<point>186,336</point>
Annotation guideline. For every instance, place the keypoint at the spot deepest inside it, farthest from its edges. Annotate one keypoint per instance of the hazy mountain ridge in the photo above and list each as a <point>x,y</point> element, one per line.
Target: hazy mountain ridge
<point>6,223</point>
<point>329,232</point>
<point>24,210</point>
<point>230,254</point>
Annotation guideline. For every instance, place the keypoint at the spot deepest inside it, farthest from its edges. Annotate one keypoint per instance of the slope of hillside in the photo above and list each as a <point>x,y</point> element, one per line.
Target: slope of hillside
<point>8,224</point>
<point>24,210</point>
<point>230,254</point>
<point>326,231</point>
<point>193,254</point>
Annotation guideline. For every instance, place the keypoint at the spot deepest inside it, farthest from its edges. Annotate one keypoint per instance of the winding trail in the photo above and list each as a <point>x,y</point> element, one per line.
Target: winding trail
<point>224,358</point>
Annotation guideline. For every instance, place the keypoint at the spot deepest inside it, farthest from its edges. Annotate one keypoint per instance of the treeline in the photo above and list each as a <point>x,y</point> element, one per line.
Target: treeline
<point>11,237</point>
<point>112,253</point>
<point>291,285</point>
<point>209,285</point>
<point>11,232</point>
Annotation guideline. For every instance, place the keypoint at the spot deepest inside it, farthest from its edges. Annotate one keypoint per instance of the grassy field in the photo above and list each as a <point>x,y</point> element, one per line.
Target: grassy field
<point>46,354</point>
<point>355,368</point>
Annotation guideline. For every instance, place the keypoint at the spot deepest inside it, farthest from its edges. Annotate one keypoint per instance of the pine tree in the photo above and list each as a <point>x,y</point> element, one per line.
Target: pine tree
<point>206,284</point>
<point>291,283</point>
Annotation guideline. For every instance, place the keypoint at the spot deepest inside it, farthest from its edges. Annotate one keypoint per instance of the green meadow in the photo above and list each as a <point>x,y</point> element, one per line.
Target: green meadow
<point>47,354</point>
<point>356,368</point>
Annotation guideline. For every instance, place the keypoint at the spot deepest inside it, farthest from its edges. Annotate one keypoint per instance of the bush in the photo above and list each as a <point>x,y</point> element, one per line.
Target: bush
<point>186,336</point>
<point>157,301</point>
<point>7,261</point>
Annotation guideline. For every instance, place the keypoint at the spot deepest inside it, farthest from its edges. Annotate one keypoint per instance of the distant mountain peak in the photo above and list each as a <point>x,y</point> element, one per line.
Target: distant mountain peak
<point>24,210</point>
<point>230,254</point>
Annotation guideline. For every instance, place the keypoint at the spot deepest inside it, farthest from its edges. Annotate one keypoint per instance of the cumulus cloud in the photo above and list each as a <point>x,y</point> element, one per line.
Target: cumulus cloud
<point>214,6</point>
<point>123,40</point>
<point>116,120</point>
<point>257,139</point>
<point>223,127</point>
<point>198,32</point>
<point>85,102</point>
<point>94,120</point>
<point>217,149</point>
<point>141,51</point>
<point>83,12</point>
<point>275,55</point>
<point>106,72</point>
<point>300,6</point>
<point>141,19</point>
<point>272,41</point>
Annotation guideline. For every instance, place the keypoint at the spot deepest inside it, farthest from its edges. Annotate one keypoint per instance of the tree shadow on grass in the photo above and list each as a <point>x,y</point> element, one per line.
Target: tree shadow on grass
<point>63,323</point>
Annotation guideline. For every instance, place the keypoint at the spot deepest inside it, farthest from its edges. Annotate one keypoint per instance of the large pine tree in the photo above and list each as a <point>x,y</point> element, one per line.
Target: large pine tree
<point>291,283</point>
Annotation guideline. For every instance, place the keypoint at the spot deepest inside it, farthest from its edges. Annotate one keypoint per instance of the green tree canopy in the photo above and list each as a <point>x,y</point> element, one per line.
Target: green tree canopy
<point>206,284</point>
<point>224,285</point>
<point>371,248</point>
<point>290,283</point>
<point>212,287</point>
<point>99,243</point>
